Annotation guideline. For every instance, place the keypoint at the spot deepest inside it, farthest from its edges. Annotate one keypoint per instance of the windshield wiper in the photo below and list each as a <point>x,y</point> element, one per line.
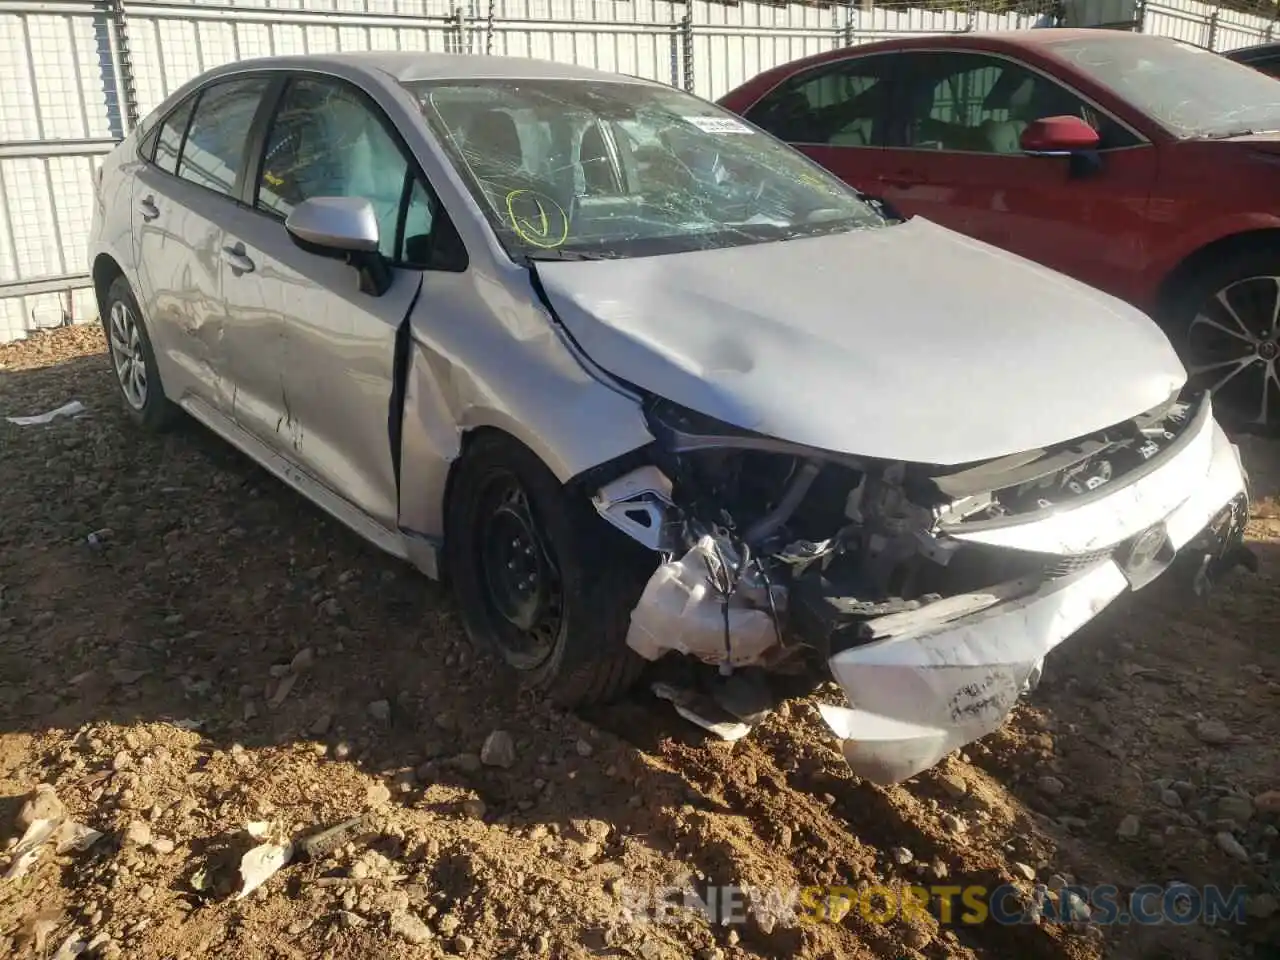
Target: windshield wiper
<point>552,254</point>
<point>1228,134</point>
<point>1241,132</point>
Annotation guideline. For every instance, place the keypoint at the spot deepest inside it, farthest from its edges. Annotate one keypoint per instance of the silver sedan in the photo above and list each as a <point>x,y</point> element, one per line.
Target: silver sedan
<point>645,382</point>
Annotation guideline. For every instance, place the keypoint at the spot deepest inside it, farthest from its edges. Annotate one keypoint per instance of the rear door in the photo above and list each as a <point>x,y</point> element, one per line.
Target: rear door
<point>954,156</point>
<point>837,114</point>
<point>182,199</point>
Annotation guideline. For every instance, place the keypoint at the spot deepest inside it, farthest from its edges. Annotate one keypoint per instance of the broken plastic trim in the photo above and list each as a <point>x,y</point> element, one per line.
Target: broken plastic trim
<point>1031,465</point>
<point>1194,428</point>
<point>937,682</point>
<point>637,504</point>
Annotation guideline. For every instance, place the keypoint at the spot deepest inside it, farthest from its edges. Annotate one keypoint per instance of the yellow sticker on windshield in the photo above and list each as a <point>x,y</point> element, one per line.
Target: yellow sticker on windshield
<point>537,219</point>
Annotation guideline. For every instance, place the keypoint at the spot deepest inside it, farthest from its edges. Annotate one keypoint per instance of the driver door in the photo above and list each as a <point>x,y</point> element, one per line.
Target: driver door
<point>328,139</point>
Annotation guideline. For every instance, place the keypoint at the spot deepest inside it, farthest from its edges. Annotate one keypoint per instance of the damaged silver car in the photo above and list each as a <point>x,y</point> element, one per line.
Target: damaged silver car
<point>645,383</point>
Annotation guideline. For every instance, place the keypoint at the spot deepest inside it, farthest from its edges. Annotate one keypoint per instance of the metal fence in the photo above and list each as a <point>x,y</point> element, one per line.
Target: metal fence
<point>75,76</point>
<point>1209,26</point>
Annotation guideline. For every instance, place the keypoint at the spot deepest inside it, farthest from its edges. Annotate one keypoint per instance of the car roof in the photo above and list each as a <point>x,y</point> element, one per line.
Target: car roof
<point>1041,39</point>
<point>407,66</point>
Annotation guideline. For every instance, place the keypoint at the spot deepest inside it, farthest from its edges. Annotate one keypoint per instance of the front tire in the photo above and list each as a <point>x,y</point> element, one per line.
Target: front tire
<point>133,360</point>
<point>1224,321</point>
<point>540,579</point>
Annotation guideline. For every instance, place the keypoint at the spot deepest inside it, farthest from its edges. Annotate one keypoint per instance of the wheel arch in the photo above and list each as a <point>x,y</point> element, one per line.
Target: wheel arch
<point>446,407</point>
<point>105,271</point>
<point>583,482</point>
<point>588,660</point>
<point>1193,263</point>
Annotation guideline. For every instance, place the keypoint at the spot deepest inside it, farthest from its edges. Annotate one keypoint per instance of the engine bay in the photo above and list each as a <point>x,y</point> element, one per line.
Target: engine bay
<point>771,554</point>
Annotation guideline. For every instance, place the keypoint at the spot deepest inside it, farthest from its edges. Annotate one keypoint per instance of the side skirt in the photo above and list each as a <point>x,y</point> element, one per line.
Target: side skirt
<point>389,541</point>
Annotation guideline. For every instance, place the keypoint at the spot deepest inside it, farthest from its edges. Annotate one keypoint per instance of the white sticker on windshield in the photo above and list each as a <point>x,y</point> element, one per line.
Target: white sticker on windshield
<point>719,125</point>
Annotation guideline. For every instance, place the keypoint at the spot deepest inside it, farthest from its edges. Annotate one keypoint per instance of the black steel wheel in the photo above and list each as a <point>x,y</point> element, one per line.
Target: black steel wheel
<point>522,587</point>
<point>540,579</point>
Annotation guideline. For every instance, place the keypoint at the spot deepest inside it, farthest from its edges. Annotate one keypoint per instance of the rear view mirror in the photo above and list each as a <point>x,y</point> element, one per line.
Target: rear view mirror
<point>1058,136</point>
<point>345,228</point>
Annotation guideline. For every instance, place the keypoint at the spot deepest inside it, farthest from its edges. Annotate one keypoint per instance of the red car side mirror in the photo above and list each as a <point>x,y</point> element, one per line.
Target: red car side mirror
<point>1055,136</point>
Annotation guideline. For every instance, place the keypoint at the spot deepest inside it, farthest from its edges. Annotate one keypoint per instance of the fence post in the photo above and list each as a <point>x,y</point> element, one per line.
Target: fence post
<point>126,89</point>
<point>1140,17</point>
<point>675,52</point>
<point>848,24</point>
<point>488,33</point>
<point>1213,31</point>
<point>456,32</point>
<point>686,36</point>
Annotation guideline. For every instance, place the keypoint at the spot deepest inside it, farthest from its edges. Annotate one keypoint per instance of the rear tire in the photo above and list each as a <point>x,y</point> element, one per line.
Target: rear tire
<point>540,579</point>
<point>132,359</point>
<point>1224,321</point>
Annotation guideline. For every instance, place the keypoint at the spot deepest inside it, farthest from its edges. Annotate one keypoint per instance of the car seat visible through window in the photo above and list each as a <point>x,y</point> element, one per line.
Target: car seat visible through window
<point>492,146</point>
<point>598,176</point>
<point>1005,136</point>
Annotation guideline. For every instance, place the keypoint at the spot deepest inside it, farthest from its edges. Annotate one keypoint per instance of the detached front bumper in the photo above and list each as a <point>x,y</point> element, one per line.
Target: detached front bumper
<point>949,673</point>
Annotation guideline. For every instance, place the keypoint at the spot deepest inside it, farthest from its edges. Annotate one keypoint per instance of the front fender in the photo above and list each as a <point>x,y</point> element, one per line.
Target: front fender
<point>467,372</point>
<point>1182,244</point>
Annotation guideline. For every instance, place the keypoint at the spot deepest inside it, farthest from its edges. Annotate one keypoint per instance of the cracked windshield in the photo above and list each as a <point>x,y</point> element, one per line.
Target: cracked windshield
<point>574,170</point>
<point>1192,92</point>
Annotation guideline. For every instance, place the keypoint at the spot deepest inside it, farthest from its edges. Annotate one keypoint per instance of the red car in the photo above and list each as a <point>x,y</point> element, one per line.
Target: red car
<point>1142,166</point>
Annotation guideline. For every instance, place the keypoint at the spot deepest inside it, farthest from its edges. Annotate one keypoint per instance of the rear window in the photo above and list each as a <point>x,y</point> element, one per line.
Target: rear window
<point>217,139</point>
<point>169,137</point>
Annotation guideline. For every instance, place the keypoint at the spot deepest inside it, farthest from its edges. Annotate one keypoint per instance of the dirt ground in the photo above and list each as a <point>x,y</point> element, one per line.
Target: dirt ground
<point>219,652</point>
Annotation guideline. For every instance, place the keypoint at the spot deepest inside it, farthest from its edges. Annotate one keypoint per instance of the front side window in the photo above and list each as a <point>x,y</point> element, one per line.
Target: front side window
<point>327,141</point>
<point>571,169</point>
<point>214,151</point>
<point>973,103</point>
<point>839,106</point>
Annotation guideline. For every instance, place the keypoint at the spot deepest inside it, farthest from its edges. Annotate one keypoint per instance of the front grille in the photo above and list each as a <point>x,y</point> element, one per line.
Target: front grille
<point>1065,566</point>
<point>977,566</point>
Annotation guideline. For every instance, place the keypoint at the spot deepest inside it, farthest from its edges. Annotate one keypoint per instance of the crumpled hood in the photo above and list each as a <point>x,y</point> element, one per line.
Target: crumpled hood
<point>906,343</point>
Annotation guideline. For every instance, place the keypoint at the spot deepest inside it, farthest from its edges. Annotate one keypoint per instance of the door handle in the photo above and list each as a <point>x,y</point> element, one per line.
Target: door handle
<point>235,258</point>
<point>147,207</point>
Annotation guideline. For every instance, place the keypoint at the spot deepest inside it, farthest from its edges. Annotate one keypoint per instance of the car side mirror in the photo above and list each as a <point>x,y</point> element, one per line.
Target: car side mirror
<point>1058,137</point>
<point>1068,137</point>
<point>344,228</point>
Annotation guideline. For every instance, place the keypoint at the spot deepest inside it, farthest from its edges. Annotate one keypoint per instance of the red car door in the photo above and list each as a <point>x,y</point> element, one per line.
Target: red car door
<point>835,113</point>
<point>954,156</point>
